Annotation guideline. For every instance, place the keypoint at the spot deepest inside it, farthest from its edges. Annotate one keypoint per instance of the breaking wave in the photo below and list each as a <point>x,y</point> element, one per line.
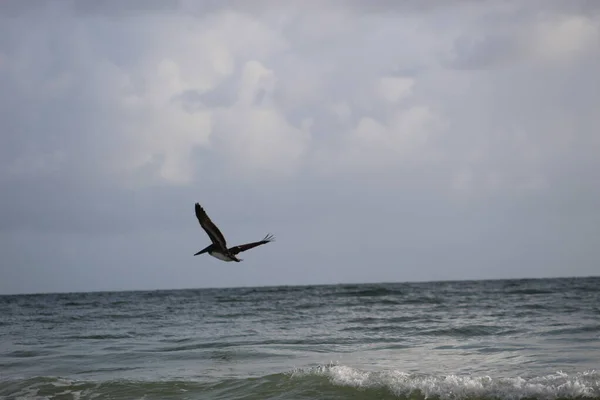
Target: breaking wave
<point>323,382</point>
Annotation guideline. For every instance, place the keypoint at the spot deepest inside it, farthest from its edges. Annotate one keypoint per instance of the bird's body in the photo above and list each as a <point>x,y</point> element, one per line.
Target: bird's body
<point>218,248</point>
<point>220,254</point>
<point>223,257</point>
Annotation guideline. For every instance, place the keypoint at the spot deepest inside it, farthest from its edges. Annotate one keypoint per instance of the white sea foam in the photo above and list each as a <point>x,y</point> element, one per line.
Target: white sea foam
<point>549,387</point>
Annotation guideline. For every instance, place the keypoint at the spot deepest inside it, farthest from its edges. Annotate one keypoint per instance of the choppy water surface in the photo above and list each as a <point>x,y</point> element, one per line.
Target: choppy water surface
<point>449,340</point>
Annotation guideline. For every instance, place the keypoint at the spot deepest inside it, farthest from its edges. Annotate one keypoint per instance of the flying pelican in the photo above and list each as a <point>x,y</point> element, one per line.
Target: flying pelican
<point>218,247</point>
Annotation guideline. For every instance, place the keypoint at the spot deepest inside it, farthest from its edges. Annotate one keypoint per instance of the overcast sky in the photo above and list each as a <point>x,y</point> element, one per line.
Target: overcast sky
<point>377,140</point>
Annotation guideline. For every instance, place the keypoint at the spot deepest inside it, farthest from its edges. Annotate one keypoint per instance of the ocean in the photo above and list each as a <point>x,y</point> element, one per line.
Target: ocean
<point>501,339</point>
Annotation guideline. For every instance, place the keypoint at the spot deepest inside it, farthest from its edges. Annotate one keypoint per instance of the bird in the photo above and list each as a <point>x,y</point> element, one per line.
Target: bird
<point>218,247</point>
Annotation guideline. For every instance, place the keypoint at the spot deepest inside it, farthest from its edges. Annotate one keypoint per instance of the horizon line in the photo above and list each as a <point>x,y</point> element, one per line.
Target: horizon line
<point>299,285</point>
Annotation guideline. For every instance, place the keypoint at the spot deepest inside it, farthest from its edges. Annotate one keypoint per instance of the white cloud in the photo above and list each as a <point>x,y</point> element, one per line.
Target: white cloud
<point>341,110</point>
<point>154,125</point>
<point>300,93</point>
<point>403,139</point>
<point>182,56</point>
<point>393,89</point>
<point>256,137</point>
<point>564,36</point>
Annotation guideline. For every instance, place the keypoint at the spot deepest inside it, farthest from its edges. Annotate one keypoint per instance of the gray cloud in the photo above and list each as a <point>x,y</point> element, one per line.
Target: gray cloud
<point>389,141</point>
<point>15,8</point>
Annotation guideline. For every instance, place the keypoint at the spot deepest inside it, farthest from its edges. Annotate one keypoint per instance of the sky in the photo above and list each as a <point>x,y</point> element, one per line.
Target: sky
<point>378,141</point>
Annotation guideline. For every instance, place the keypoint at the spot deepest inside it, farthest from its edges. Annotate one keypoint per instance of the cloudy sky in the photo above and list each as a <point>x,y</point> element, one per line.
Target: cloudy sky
<point>378,141</point>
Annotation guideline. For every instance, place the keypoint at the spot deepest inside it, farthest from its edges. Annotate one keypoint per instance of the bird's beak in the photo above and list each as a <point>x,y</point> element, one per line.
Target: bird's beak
<point>202,251</point>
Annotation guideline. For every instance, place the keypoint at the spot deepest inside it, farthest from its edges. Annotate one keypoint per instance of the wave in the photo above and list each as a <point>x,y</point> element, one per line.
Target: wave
<point>99,336</point>
<point>413,386</point>
<point>531,291</point>
<point>27,353</point>
<point>470,331</point>
<point>387,320</point>
<point>360,291</point>
<point>322,382</point>
<point>575,330</point>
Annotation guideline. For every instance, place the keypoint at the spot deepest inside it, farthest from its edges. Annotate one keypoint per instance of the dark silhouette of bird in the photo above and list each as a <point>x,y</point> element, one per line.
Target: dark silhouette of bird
<point>218,247</point>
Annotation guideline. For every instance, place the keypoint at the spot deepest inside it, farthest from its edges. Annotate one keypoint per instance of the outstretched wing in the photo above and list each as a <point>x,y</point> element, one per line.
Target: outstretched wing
<point>211,229</point>
<point>248,246</point>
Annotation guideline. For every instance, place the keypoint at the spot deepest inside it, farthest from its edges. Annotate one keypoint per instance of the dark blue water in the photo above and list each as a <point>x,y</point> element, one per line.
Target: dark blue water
<point>449,340</point>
